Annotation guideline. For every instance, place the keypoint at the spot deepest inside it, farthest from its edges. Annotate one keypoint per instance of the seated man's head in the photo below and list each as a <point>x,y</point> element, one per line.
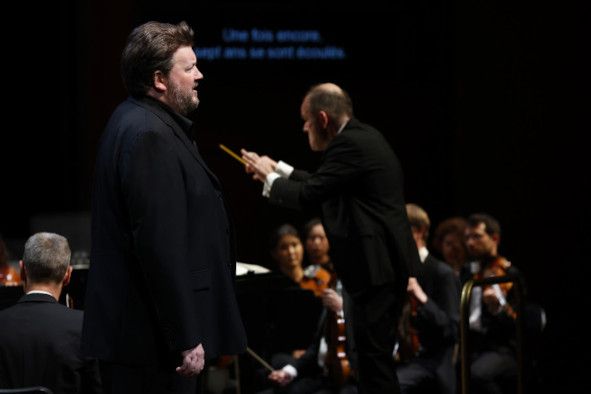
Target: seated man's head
<point>46,262</point>
<point>483,235</point>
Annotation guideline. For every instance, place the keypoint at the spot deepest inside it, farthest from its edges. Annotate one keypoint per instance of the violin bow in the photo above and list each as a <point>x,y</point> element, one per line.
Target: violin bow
<point>259,359</point>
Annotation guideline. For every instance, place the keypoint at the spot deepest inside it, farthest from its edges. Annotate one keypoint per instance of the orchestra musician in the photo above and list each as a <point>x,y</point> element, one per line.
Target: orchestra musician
<point>287,251</point>
<point>492,316</point>
<point>327,364</point>
<point>434,297</point>
<point>40,338</point>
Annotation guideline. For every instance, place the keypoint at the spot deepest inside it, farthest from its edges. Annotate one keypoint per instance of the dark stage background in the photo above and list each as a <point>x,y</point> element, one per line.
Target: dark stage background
<point>481,101</point>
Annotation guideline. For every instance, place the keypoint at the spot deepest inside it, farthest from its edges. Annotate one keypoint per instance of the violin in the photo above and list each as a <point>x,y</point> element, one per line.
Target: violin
<point>9,276</point>
<point>409,344</point>
<point>415,342</point>
<point>499,267</point>
<point>336,338</point>
<point>316,279</point>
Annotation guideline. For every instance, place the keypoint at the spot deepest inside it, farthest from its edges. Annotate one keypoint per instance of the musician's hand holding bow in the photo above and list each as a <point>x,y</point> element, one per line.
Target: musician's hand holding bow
<point>259,166</point>
<point>332,300</point>
<point>280,377</point>
<point>491,298</point>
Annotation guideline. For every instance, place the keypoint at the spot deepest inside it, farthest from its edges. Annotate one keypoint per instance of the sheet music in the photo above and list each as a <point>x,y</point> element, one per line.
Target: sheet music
<point>243,269</point>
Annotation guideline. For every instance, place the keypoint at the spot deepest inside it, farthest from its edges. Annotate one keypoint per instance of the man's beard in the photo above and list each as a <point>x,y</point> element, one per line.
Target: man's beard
<point>183,101</point>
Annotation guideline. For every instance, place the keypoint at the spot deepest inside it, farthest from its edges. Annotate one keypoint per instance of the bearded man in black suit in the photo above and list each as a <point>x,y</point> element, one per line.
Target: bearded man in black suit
<point>359,188</point>
<point>160,295</point>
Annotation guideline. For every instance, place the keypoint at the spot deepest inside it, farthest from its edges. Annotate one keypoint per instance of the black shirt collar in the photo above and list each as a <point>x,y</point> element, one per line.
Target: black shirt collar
<point>185,123</point>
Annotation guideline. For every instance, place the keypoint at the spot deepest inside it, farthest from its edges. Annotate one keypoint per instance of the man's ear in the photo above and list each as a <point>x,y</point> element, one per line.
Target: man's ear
<point>159,81</point>
<point>323,119</point>
<point>67,276</point>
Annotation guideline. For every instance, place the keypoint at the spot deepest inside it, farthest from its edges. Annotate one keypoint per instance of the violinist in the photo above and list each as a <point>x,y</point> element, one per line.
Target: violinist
<point>448,240</point>
<point>312,372</point>
<point>492,318</point>
<point>288,252</point>
<point>317,246</point>
<point>434,317</point>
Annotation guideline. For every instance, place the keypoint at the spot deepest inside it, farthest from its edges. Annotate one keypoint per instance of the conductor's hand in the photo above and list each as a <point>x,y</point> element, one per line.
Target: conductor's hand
<point>193,361</point>
<point>332,300</point>
<point>258,166</point>
<point>280,377</point>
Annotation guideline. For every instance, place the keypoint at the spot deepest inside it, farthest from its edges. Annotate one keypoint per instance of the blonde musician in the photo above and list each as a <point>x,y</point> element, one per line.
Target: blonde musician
<point>434,299</point>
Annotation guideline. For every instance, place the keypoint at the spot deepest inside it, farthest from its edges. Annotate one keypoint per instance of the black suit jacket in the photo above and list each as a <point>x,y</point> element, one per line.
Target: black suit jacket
<point>359,186</point>
<point>437,321</point>
<point>162,259</point>
<point>40,346</point>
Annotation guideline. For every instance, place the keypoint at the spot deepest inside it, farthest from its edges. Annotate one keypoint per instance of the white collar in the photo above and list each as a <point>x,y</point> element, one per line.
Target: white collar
<point>343,126</point>
<point>39,292</point>
<point>423,253</point>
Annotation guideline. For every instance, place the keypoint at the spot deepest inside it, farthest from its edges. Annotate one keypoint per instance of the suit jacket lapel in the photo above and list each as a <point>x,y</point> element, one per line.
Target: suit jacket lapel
<point>193,149</point>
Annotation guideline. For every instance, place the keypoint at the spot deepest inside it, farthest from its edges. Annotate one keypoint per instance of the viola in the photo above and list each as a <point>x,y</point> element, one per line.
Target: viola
<point>337,361</point>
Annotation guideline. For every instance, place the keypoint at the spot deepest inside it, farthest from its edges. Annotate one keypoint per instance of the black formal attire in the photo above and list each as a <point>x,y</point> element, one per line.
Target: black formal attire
<point>40,346</point>
<point>436,324</point>
<point>162,260</point>
<point>359,187</point>
<point>492,343</point>
<point>314,378</point>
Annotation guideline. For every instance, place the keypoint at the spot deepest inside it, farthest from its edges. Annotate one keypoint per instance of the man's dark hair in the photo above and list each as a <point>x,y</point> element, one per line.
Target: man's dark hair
<point>491,225</point>
<point>310,224</point>
<point>150,48</point>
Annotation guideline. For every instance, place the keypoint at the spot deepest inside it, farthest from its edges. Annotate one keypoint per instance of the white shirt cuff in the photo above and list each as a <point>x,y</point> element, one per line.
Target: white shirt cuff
<point>269,183</point>
<point>290,370</point>
<point>283,169</point>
